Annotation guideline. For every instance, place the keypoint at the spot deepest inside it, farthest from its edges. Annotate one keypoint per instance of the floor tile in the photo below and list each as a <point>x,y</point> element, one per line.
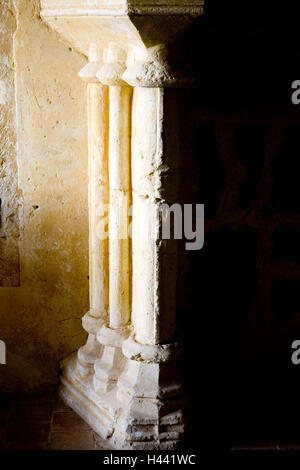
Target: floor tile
<point>68,420</point>
<point>72,440</point>
<point>60,405</point>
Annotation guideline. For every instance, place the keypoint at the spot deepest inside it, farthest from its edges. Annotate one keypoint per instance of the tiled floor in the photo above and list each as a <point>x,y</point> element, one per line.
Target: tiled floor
<point>42,422</point>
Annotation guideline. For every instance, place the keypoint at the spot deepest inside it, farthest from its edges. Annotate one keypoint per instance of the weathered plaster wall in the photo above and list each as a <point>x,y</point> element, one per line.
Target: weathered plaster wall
<point>40,320</point>
<point>9,194</point>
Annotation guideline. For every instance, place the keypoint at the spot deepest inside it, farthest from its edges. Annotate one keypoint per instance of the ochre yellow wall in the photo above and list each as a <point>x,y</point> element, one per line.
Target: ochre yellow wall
<point>40,320</point>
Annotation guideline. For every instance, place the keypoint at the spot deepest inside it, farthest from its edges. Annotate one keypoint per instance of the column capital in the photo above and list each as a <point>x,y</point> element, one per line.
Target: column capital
<point>114,66</point>
<point>154,70</point>
<point>90,70</point>
<point>142,30</point>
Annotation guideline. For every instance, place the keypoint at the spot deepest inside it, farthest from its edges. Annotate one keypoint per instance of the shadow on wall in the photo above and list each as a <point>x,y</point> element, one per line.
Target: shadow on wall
<point>243,287</point>
<point>40,321</point>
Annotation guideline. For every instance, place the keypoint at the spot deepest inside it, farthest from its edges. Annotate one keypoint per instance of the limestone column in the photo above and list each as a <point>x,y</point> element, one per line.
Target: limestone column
<point>107,369</point>
<point>124,382</point>
<point>149,387</point>
<point>98,126</point>
<point>155,160</point>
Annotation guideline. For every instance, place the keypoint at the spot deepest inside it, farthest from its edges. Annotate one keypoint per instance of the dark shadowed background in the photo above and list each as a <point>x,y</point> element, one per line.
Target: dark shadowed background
<point>240,303</point>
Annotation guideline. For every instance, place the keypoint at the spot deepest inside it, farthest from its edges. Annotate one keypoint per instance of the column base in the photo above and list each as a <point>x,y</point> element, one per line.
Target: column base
<point>108,368</point>
<point>87,355</point>
<point>100,412</point>
<point>123,423</point>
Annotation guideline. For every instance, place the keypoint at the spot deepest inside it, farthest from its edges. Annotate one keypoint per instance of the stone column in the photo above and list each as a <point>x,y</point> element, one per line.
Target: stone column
<point>98,126</point>
<point>149,387</point>
<point>124,382</point>
<point>108,368</point>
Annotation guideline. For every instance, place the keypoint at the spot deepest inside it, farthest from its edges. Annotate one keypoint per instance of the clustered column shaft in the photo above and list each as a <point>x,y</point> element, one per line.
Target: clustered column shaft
<point>128,366</point>
<point>98,131</point>
<point>120,201</point>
